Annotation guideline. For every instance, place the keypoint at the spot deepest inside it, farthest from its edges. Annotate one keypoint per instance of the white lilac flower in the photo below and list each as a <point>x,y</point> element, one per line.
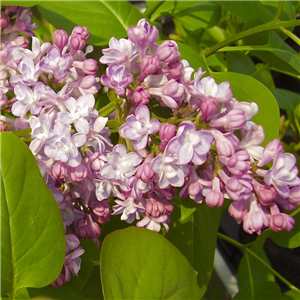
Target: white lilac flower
<point>56,64</point>
<point>79,112</point>
<point>121,51</point>
<point>129,209</point>
<point>40,130</point>
<point>120,164</point>
<point>168,170</point>
<point>29,73</point>
<point>32,100</point>
<point>207,87</point>
<point>62,146</point>
<point>139,126</point>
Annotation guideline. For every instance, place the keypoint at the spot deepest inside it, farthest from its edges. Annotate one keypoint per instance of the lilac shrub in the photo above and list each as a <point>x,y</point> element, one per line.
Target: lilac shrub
<point>208,149</point>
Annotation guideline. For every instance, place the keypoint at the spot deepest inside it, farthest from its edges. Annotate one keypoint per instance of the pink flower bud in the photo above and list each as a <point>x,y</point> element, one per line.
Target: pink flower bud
<point>4,21</point>
<point>21,41</point>
<point>87,228</point>
<point>239,163</point>
<point>78,38</point>
<point>60,38</point>
<point>234,120</point>
<point>215,197</point>
<point>102,211</point>
<point>280,221</point>
<point>166,132</point>
<point>145,173</point>
<point>208,107</point>
<point>78,173</point>
<point>3,126</point>
<point>59,171</point>
<point>95,162</point>
<point>238,210</point>
<point>149,64</point>
<point>266,194</point>
<point>138,35</point>
<point>256,219</point>
<point>140,96</point>
<point>90,66</point>
<point>167,52</point>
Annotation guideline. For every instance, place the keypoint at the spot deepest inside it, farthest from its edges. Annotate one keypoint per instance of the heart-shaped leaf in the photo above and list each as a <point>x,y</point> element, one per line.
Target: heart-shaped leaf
<point>136,263</point>
<point>32,234</point>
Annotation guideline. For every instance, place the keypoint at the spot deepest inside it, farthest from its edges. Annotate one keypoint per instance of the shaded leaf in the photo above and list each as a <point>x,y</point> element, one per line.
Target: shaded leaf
<point>250,269</point>
<point>266,290</point>
<point>246,88</point>
<point>136,263</point>
<point>286,99</point>
<point>104,19</point>
<point>32,234</point>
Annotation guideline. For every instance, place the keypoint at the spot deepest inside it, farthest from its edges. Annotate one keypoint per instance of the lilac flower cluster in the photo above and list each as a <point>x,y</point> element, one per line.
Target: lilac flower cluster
<point>194,151</point>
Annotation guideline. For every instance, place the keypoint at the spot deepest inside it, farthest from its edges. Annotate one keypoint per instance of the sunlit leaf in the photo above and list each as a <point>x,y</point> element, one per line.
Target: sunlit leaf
<point>104,19</point>
<point>32,235</point>
<point>136,263</point>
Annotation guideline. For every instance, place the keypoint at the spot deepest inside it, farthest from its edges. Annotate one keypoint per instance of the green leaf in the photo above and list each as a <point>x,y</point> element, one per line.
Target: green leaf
<point>194,233</point>
<point>63,293</point>
<point>18,3</point>
<point>240,63</point>
<point>266,290</point>
<point>192,56</point>
<point>191,14</point>
<point>286,99</point>
<point>136,263</point>
<point>251,269</point>
<point>32,234</point>
<point>246,88</point>
<point>290,295</point>
<point>277,53</point>
<point>104,19</point>
<point>262,10</point>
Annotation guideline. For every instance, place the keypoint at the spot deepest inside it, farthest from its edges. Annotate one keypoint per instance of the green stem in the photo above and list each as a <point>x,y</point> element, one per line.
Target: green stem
<point>284,72</point>
<point>259,70</point>
<point>247,250</point>
<point>290,35</point>
<point>279,11</point>
<point>261,28</point>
